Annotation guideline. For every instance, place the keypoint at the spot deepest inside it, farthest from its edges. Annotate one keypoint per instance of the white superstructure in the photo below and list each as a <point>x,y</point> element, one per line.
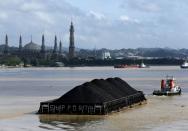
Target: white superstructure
<point>184,65</point>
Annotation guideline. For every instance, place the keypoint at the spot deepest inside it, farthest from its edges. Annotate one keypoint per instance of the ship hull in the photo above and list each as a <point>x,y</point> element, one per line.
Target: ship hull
<point>166,93</point>
<point>126,66</point>
<point>184,67</point>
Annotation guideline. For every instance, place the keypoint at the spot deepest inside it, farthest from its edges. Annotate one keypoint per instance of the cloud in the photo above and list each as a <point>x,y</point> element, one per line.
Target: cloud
<point>32,6</point>
<point>35,17</point>
<point>142,5</point>
<point>96,15</point>
<point>151,7</point>
<point>127,19</point>
<point>45,17</point>
<point>125,24</point>
<point>124,18</point>
<point>3,16</point>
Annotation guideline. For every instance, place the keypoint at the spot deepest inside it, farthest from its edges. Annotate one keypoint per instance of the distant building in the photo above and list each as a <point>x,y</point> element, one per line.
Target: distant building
<point>55,46</point>
<point>40,51</point>
<point>30,50</point>
<point>60,48</point>
<point>43,49</point>
<point>20,44</point>
<point>43,45</point>
<point>71,46</point>
<point>106,55</point>
<point>32,46</point>
<point>6,45</point>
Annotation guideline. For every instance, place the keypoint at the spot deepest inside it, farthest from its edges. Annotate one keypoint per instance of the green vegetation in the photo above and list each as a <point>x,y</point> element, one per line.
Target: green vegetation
<point>10,60</point>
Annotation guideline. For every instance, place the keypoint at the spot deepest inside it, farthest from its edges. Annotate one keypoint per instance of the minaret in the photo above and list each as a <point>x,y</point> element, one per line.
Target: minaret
<point>20,44</point>
<point>31,39</point>
<point>55,46</point>
<point>43,45</point>
<point>60,48</point>
<point>71,46</point>
<point>6,45</point>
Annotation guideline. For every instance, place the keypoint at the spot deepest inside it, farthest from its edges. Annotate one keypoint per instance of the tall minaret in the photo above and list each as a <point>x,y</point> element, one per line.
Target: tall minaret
<point>60,48</point>
<point>55,46</point>
<point>6,45</point>
<point>20,44</point>
<point>71,46</point>
<point>43,45</point>
<point>31,39</point>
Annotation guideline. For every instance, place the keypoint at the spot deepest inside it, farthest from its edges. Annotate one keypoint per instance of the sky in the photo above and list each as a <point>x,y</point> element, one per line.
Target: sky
<point>112,24</point>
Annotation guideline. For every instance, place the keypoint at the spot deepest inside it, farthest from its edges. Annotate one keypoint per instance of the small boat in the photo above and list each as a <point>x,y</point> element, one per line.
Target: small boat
<point>142,65</point>
<point>168,87</point>
<point>184,65</point>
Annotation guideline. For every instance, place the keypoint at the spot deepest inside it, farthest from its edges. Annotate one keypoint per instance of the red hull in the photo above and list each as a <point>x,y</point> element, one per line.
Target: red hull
<point>126,66</point>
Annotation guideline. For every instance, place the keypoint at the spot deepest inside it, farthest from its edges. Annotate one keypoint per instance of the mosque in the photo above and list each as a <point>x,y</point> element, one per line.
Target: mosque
<point>40,51</point>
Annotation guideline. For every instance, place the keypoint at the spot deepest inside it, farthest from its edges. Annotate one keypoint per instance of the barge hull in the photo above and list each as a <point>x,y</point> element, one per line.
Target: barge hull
<point>97,97</point>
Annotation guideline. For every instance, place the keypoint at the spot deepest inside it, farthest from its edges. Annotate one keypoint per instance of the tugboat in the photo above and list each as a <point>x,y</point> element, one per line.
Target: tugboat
<point>168,87</point>
<point>184,65</point>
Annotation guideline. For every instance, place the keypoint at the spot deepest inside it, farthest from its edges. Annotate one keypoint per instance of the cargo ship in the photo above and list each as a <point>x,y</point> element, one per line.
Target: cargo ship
<point>142,65</point>
<point>168,87</point>
<point>126,66</point>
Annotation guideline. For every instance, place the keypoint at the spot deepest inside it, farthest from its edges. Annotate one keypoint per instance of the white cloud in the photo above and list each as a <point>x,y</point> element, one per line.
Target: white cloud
<point>139,22</point>
<point>45,17</point>
<point>142,5</point>
<point>124,18</point>
<point>3,16</point>
<point>31,6</point>
<point>152,7</point>
<point>127,19</point>
<point>96,15</point>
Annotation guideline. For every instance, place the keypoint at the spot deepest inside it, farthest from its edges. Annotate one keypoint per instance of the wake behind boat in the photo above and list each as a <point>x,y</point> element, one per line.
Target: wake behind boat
<point>168,87</point>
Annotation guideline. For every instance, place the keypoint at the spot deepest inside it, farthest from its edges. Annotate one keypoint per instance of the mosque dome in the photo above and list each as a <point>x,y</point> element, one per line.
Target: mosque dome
<point>32,46</point>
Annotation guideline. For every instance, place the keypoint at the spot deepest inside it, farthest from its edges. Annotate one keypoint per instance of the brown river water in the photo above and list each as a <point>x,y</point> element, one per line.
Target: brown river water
<point>22,90</point>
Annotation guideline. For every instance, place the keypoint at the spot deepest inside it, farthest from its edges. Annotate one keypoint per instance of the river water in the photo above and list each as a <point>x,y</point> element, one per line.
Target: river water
<point>22,90</point>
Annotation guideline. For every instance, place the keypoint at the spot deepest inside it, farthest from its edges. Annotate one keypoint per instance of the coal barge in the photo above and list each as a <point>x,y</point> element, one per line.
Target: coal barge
<point>97,97</point>
<point>168,87</point>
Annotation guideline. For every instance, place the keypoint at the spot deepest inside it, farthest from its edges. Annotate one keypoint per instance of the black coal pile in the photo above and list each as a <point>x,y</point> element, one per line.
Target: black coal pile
<point>97,97</point>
